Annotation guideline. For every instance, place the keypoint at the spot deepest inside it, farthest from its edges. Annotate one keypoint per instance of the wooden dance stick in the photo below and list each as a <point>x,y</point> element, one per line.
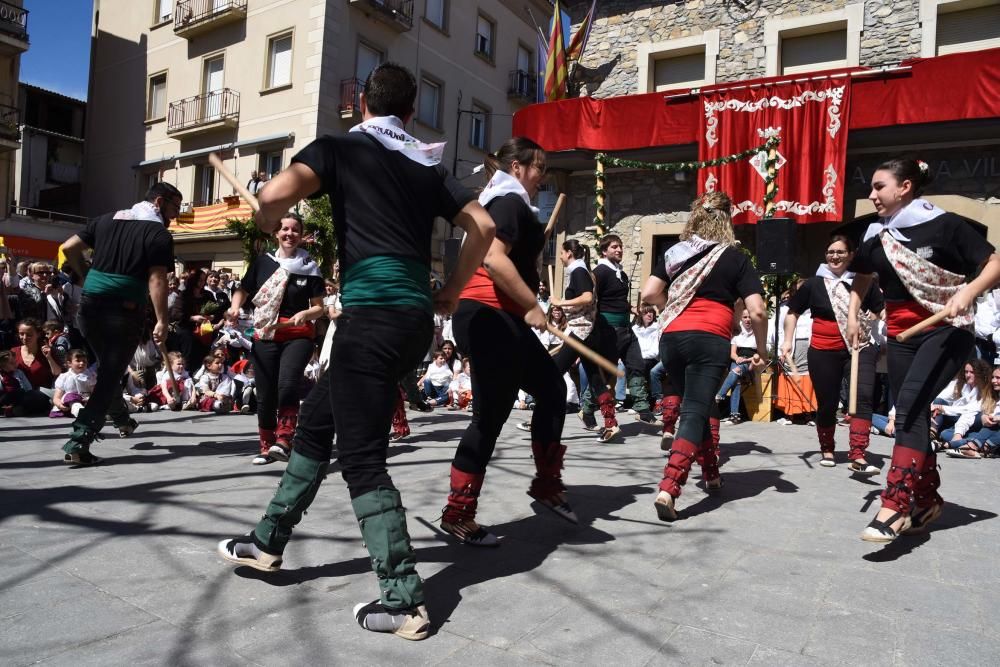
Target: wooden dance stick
<point>174,389</point>
<point>214,160</point>
<point>555,214</point>
<point>920,326</point>
<point>852,403</point>
<point>552,279</point>
<point>585,351</point>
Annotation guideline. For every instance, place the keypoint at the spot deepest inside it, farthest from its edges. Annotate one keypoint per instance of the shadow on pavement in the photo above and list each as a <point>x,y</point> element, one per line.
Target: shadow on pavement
<point>952,516</point>
<point>739,485</point>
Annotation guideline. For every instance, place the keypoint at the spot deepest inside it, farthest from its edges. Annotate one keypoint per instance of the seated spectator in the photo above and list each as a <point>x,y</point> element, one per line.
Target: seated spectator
<point>215,387</point>
<point>461,389</point>
<point>55,333</point>
<point>134,394</point>
<point>985,440</point>
<point>35,357</point>
<point>145,362</point>
<point>164,392</point>
<point>74,387</point>
<point>956,409</point>
<point>246,387</point>
<point>14,386</point>
<point>436,380</point>
<point>233,340</point>
<point>741,352</point>
<point>647,331</point>
<point>885,424</point>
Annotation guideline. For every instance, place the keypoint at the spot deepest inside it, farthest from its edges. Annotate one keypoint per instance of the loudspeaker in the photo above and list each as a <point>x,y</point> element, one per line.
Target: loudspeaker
<point>776,245</point>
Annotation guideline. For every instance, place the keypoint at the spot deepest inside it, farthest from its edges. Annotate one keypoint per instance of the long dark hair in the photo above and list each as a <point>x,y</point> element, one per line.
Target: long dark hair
<point>519,149</point>
<point>579,250</point>
<point>906,169</point>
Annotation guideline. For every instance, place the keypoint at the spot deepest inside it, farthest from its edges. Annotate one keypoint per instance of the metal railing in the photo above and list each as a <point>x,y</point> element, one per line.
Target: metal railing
<point>203,109</point>
<point>191,12</point>
<point>522,85</point>
<point>43,214</point>
<point>14,20</point>
<point>10,122</point>
<point>350,96</point>
<point>401,10</point>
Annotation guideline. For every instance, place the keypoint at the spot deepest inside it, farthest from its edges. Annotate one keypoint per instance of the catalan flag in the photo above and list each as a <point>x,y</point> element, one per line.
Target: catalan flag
<point>556,71</point>
<point>579,41</point>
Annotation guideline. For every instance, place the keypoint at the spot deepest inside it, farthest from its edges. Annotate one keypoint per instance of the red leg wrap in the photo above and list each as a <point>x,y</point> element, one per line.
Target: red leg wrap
<point>825,435</point>
<point>708,457</point>
<point>288,419</point>
<point>607,403</point>
<point>266,439</point>
<point>548,469</point>
<point>464,496</point>
<point>671,411</point>
<point>925,494</point>
<point>903,478</point>
<point>400,424</point>
<point>675,473</point>
<point>860,434</point>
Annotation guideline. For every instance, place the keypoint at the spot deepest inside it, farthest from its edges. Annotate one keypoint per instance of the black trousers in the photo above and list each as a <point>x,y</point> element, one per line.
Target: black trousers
<point>827,370</point>
<point>113,328</point>
<point>372,350</point>
<point>278,368</point>
<point>505,356</point>
<point>918,370</point>
<point>696,363</point>
<point>627,349</point>
<point>600,340</point>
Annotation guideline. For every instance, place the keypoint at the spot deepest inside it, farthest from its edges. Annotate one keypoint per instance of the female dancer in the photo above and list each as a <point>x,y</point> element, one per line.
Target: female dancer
<point>492,326</point>
<point>286,289</point>
<point>921,255</point>
<point>697,283</point>
<point>827,296</point>
<point>580,308</point>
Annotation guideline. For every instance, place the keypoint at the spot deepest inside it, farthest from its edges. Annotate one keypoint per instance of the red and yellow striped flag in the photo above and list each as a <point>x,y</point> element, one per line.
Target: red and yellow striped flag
<point>556,72</point>
<point>579,42</point>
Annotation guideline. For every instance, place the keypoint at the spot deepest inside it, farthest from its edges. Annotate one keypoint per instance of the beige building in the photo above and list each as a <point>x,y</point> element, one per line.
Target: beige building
<point>256,80</point>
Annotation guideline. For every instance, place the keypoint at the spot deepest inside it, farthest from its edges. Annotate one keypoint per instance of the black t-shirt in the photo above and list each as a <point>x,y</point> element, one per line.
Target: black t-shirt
<point>733,277</point>
<point>947,241</point>
<point>518,226</point>
<point>579,282</point>
<point>128,247</point>
<point>298,291</point>
<point>612,293</point>
<point>812,296</point>
<point>384,203</point>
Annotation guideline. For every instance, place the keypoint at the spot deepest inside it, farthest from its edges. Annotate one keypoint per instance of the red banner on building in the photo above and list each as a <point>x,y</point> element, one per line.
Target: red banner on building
<point>811,118</point>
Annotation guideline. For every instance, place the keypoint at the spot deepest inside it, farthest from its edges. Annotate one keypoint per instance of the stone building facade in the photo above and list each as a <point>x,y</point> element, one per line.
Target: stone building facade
<point>678,45</point>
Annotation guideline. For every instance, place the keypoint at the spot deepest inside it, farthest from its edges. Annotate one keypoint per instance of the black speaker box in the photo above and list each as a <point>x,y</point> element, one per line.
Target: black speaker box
<point>776,245</point>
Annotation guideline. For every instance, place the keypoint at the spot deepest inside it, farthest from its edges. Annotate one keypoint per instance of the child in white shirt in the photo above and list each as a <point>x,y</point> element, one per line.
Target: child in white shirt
<point>215,388</point>
<point>74,387</point>
<point>461,388</point>
<point>436,380</point>
<point>164,390</point>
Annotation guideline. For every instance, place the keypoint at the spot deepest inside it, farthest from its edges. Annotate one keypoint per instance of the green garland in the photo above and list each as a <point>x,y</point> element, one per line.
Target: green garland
<point>611,161</point>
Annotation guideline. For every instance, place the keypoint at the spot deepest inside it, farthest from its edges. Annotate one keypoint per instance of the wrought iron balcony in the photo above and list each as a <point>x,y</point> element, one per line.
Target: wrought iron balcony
<point>13,29</point>
<point>350,97</point>
<point>193,17</point>
<point>202,113</point>
<point>397,14</point>
<point>10,128</point>
<point>522,86</point>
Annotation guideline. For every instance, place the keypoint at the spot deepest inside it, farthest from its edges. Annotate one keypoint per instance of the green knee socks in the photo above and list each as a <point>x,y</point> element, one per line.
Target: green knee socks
<point>382,519</point>
<point>296,491</point>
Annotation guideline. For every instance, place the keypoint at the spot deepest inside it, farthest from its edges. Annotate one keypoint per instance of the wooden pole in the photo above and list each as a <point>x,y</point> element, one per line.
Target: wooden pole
<point>599,214</point>
<point>939,316</point>
<point>552,280</point>
<point>852,406</point>
<point>216,162</point>
<point>772,183</point>
<point>585,351</point>
<point>550,226</point>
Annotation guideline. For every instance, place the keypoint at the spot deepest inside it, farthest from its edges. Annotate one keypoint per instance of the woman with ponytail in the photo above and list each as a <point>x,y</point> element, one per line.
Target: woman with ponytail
<point>493,327</point>
<point>697,282</point>
<point>923,258</point>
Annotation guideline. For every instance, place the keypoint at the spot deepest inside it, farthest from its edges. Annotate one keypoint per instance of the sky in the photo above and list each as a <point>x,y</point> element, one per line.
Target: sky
<point>59,56</point>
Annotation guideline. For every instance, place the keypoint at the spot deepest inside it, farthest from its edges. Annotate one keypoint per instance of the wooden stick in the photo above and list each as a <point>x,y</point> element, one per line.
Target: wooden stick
<point>174,389</point>
<point>555,214</point>
<point>852,407</point>
<point>924,324</point>
<point>552,280</point>
<point>214,160</point>
<point>585,351</point>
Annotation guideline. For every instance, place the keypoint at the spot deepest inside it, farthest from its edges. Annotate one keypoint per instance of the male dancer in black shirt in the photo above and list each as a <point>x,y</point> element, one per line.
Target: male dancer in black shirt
<point>386,189</point>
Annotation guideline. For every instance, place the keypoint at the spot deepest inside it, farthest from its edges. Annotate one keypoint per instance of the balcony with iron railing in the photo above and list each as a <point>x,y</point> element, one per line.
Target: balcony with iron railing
<point>350,97</point>
<point>194,17</point>
<point>218,109</point>
<point>13,29</point>
<point>522,86</point>
<point>397,14</point>
<point>10,128</point>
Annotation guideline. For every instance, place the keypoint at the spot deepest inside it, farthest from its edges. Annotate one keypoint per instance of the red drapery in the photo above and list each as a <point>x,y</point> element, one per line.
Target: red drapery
<point>811,119</point>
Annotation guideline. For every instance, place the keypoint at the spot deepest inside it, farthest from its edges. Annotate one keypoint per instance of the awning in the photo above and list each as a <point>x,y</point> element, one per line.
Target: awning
<point>269,139</point>
<point>212,218</point>
<point>22,247</point>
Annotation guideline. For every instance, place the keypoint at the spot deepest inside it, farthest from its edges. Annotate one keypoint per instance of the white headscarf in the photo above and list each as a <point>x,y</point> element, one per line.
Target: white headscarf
<point>389,132</point>
<point>917,212</point>
<point>679,253</point>
<point>300,264</point>
<point>143,210</point>
<point>502,184</point>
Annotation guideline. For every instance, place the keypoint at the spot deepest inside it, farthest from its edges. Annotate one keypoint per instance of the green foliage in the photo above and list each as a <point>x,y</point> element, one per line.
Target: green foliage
<point>320,238</point>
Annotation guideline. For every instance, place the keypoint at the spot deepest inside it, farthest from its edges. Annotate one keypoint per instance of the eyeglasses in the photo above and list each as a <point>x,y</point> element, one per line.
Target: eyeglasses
<point>836,253</point>
<point>43,273</point>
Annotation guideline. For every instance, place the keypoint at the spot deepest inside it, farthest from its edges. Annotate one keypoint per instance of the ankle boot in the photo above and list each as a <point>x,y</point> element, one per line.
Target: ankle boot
<point>547,484</point>
<point>382,519</point>
<point>296,491</point>
<point>459,515</point>
<point>288,419</point>
<point>860,433</point>
<point>675,473</point>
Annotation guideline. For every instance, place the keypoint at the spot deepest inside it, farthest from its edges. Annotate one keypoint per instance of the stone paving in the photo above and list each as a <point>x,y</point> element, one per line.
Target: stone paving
<point>117,565</point>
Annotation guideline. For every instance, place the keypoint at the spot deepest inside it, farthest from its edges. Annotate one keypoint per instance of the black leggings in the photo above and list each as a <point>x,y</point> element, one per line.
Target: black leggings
<point>278,368</point>
<point>696,363</point>
<point>505,355</point>
<point>373,349</point>
<point>918,370</point>
<point>601,340</point>
<point>827,369</point>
